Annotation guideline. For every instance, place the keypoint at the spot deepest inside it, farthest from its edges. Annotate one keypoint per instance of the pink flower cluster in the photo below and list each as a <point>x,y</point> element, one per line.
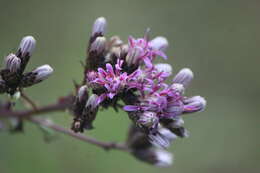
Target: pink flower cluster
<point>163,100</point>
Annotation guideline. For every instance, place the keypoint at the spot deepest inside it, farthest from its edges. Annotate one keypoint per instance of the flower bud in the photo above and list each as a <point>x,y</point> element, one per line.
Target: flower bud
<point>163,67</point>
<point>184,77</point>
<point>82,93</point>
<point>92,102</point>
<point>133,55</point>
<point>167,134</point>
<point>12,63</point>
<point>116,41</point>
<point>178,122</point>
<point>179,131</point>
<point>27,46</point>
<point>116,51</point>
<point>99,26</point>
<point>178,88</point>
<point>163,158</point>
<point>124,49</point>
<point>42,72</point>
<point>137,139</point>
<point>159,141</point>
<point>159,43</point>
<point>157,157</point>
<point>39,74</point>
<point>98,45</point>
<point>148,119</point>
<point>85,119</point>
<point>194,104</point>
<point>162,138</point>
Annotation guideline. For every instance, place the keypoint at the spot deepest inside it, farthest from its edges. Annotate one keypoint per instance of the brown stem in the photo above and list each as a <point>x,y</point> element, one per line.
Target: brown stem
<point>46,109</point>
<point>59,107</point>
<point>105,145</point>
<point>29,100</point>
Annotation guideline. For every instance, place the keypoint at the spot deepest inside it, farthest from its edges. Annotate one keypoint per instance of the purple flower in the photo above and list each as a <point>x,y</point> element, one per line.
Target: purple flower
<point>141,50</point>
<point>166,101</point>
<point>112,79</point>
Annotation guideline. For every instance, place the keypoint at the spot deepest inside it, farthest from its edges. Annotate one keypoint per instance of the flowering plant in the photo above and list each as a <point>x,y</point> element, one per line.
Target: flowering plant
<point>113,72</point>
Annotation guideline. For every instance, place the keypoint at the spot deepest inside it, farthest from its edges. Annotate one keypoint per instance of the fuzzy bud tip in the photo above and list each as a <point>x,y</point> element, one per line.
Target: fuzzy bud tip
<point>99,26</point>
<point>184,77</point>
<point>43,72</point>
<point>12,62</point>
<point>27,46</point>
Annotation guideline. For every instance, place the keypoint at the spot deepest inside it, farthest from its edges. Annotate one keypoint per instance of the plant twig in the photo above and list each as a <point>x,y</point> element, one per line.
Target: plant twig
<point>105,145</point>
<point>29,100</point>
<point>45,109</point>
<point>45,123</point>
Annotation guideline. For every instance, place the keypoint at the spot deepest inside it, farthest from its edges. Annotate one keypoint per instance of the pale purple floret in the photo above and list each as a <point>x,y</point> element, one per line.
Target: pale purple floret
<point>112,78</point>
<point>146,52</point>
<point>167,102</point>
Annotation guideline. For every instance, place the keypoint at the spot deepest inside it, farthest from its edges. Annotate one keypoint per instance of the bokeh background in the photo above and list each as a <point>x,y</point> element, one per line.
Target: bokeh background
<point>219,40</point>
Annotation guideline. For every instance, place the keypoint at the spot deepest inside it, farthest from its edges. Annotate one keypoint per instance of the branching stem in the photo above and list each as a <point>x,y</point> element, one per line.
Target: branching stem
<point>60,106</point>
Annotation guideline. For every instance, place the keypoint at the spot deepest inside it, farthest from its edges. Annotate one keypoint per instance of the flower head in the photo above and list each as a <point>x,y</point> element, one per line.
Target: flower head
<point>128,72</point>
<point>111,78</point>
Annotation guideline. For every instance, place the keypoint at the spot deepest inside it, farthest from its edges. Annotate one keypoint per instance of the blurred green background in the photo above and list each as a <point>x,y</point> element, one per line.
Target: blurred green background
<point>218,39</point>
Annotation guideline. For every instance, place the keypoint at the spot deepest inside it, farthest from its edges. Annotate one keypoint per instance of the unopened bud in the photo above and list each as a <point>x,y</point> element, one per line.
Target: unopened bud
<point>39,74</point>
<point>159,43</point>
<point>88,115</point>
<point>27,46</point>
<point>184,77</point>
<point>116,51</point>
<point>124,49</point>
<point>98,45</point>
<point>82,93</point>
<point>163,158</point>
<point>177,87</point>
<point>166,133</point>
<point>148,119</point>
<point>178,122</point>
<point>163,67</point>
<point>116,41</point>
<point>12,63</point>
<point>159,140</point>
<point>133,55</point>
<point>194,104</point>
<point>43,72</point>
<point>92,102</point>
<point>157,157</point>
<point>179,131</point>
<point>99,26</point>
<point>162,138</point>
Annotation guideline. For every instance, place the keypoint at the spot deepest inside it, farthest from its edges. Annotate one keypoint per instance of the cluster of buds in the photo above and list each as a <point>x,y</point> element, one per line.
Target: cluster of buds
<point>117,71</point>
<point>13,76</point>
